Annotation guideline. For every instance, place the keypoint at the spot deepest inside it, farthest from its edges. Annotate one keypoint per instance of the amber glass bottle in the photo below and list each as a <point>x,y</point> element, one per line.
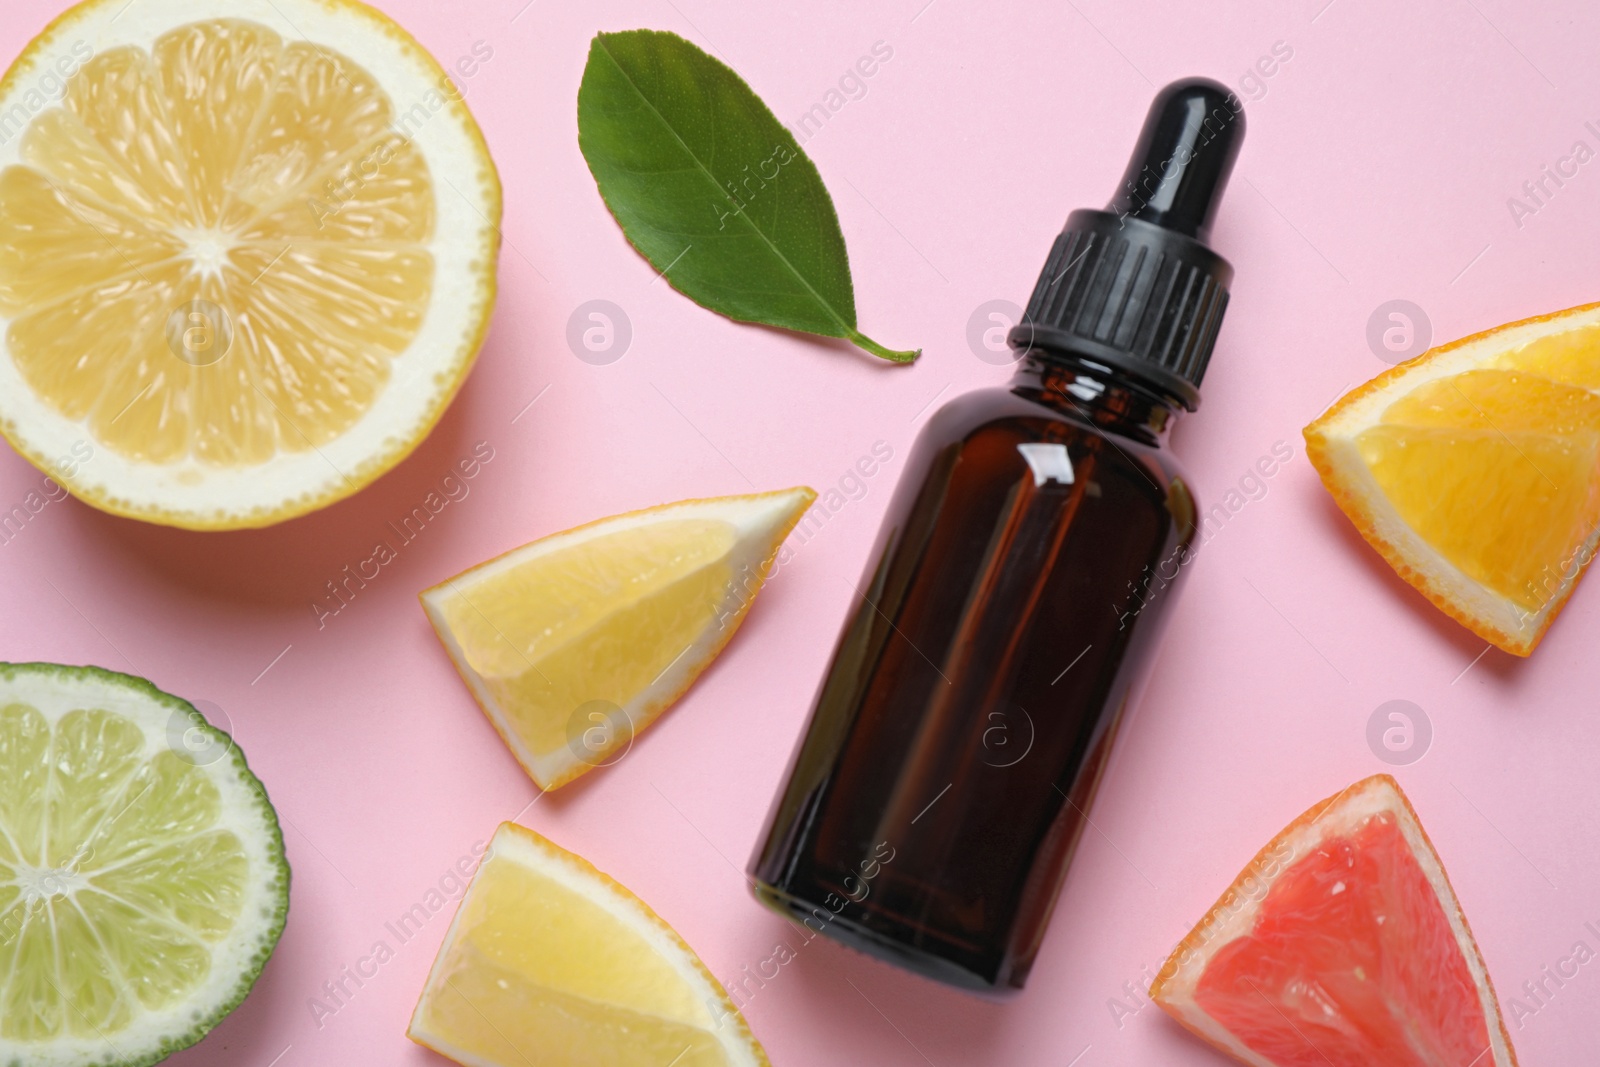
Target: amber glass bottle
<point>1016,593</point>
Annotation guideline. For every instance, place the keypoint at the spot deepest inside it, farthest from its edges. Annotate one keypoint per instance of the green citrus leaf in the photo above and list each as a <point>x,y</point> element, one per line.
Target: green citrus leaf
<point>711,188</point>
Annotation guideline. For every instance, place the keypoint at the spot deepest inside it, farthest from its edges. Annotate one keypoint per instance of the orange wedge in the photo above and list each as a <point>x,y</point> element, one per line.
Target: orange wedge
<point>1474,470</point>
<point>1340,945</point>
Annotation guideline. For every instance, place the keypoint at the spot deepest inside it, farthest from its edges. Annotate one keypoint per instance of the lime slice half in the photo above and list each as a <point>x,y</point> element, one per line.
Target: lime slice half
<point>143,882</point>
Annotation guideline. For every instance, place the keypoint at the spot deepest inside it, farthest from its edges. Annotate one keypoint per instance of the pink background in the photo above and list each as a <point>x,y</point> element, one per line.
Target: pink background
<point>1378,165</point>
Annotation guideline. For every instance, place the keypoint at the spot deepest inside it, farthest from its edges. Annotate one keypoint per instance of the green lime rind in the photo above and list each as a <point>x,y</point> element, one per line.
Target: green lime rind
<point>268,932</point>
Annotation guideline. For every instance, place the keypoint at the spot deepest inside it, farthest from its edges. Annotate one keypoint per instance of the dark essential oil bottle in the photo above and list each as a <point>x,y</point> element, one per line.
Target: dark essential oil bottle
<point>1016,593</point>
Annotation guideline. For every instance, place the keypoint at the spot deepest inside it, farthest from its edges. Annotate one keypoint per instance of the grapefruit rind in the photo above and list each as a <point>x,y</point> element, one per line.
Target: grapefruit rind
<point>517,844</point>
<point>763,521</point>
<point>1234,913</point>
<point>1331,448</point>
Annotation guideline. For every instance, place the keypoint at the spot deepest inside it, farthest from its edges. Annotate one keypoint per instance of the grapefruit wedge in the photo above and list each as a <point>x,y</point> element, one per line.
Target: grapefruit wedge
<point>1341,945</point>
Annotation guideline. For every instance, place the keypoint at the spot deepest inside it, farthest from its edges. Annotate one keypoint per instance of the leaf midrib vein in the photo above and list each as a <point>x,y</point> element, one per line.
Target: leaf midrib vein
<point>848,328</point>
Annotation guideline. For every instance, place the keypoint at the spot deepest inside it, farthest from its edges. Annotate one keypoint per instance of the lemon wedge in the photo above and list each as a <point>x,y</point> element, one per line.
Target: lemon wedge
<point>576,642</point>
<point>549,961</point>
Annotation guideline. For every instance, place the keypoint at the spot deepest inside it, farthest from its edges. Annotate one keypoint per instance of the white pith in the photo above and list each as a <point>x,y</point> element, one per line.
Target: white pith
<point>758,520</point>
<point>464,247</point>
<point>1346,814</point>
<point>54,692</point>
<point>515,845</point>
<point>1365,411</point>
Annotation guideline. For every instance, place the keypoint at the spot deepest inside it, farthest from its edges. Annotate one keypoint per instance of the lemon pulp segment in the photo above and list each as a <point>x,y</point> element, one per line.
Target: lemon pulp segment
<point>212,249</point>
<point>596,622</point>
<point>560,974</point>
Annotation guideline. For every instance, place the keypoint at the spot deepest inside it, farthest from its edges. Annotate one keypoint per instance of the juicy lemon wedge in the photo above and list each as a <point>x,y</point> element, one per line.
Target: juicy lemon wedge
<point>549,961</point>
<point>1474,470</point>
<point>245,262</point>
<point>575,643</point>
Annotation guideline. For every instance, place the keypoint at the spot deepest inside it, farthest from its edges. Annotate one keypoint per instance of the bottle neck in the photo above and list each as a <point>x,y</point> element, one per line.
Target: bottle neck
<point>1085,391</point>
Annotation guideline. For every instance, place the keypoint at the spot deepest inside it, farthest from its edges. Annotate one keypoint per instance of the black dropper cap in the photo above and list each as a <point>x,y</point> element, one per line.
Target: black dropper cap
<point>1134,287</point>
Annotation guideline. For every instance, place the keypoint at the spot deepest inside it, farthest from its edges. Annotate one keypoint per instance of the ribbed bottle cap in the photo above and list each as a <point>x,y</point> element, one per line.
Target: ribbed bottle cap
<point>1135,287</point>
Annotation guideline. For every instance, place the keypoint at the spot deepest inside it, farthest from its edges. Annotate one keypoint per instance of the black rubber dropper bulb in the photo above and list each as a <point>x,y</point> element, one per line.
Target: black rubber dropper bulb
<point>1181,163</point>
<point>1135,288</point>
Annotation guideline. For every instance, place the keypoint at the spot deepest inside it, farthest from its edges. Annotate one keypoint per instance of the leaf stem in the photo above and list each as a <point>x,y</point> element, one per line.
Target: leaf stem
<point>861,340</point>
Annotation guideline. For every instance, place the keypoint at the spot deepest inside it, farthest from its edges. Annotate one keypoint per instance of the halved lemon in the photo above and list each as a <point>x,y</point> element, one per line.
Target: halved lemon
<point>247,254</point>
<point>1474,470</point>
<point>143,883</point>
<point>548,961</point>
<point>1341,945</point>
<point>576,642</point>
